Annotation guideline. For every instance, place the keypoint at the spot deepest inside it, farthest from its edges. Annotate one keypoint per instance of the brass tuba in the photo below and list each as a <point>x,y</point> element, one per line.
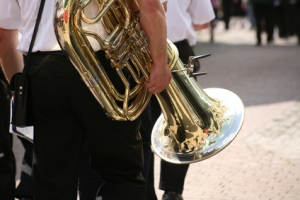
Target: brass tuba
<point>193,126</point>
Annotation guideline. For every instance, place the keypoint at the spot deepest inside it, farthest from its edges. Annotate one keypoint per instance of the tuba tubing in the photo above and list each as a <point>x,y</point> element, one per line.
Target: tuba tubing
<point>195,124</point>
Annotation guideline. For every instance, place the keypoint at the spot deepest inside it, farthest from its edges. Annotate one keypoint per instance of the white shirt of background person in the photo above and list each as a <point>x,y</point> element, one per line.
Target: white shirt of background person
<point>182,15</point>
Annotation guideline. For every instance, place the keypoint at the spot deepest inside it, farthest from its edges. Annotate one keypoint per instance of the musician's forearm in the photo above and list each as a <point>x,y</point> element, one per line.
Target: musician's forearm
<point>153,22</point>
<point>11,59</point>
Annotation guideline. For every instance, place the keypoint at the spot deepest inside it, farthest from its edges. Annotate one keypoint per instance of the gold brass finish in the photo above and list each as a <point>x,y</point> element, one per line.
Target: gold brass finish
<point>194,126</point>
<point>125,47</point>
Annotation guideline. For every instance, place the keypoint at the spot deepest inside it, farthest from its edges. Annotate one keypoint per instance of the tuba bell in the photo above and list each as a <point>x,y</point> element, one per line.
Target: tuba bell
<point>193,126</point>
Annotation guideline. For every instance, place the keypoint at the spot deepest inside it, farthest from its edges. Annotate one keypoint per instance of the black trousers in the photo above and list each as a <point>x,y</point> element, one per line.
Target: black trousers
<point>288,19</point>
<point>298,21</point>
<point>7,159</point>
<point>64,112</point>
<point>25,187</point>
<point>267,13</point>
<point>226,12</point>
<point>90,182</point>
<point>146,130</point>
<point>171,175</point>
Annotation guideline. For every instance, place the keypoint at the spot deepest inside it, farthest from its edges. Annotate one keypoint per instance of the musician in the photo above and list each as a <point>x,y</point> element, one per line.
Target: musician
<point>65,110</point>
<point>89,181</point>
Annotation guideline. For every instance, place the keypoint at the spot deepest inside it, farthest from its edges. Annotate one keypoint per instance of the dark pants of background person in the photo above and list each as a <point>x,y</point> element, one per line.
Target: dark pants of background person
<point>7,159</point>
<point>7,162</point>
<point>298,21</point>
<point>226,5</point>
<point>288,19</point>
<point>25,187</point>
<point>65,110</point>
<point>266,13</point>
<point>171,175</point>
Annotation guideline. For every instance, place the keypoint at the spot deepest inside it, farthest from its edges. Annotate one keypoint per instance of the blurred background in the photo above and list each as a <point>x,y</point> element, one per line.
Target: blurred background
<point>263,161</point>
<point>236,22</point>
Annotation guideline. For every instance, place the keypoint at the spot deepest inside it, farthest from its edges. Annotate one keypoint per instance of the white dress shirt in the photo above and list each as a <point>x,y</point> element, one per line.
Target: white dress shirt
<point>22,14</point>
<point>13,17</point>
<point>182,14</point>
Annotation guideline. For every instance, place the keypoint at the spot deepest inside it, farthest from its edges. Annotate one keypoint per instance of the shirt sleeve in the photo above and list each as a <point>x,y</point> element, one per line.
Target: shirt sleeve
<point>201,11</point>
<point>10,14</point>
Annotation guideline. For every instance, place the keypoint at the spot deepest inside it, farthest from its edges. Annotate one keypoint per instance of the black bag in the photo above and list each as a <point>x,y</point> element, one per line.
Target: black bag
<point>22,114</point>
<point>22,101</point>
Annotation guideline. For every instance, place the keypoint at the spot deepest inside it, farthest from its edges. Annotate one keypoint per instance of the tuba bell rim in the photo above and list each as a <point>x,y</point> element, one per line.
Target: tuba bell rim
<point>234,120</point>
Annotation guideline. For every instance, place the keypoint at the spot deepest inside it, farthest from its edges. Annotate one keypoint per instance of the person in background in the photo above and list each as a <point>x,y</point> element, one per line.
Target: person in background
<point>288,18</point>
<point>184,17</point>
<point>65,111</point>
<point>226,6</point>
<point>298,21</point>
<point>7,158</point>
<point>247,5</point>
<point>264,13</point>
<point>10,56</point>
<point>213,23</point>
<point>24,190</point>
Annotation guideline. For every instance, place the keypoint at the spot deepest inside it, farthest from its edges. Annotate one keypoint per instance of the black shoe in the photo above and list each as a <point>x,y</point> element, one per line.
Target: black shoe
<point>169,195</point>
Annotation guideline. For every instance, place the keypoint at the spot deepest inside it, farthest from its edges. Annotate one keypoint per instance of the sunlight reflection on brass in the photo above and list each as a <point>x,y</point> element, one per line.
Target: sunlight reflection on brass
<point>195,123</point>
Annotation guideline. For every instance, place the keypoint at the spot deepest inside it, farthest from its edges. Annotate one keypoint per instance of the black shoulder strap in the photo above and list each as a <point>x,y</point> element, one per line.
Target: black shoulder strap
<point>25,70</point>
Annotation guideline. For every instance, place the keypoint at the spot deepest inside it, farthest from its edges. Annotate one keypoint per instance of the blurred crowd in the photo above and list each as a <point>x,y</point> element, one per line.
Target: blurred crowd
<point>263,15</point>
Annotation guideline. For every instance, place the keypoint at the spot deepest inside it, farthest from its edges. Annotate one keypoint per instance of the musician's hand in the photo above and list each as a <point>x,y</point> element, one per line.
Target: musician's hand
<point>160,78</point>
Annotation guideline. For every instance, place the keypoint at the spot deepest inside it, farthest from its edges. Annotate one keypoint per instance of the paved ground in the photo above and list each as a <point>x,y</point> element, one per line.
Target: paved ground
<point>263,162</point>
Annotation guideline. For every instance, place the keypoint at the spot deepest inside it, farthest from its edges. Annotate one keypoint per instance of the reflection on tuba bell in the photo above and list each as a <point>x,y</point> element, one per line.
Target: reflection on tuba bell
<point>193,126</point>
